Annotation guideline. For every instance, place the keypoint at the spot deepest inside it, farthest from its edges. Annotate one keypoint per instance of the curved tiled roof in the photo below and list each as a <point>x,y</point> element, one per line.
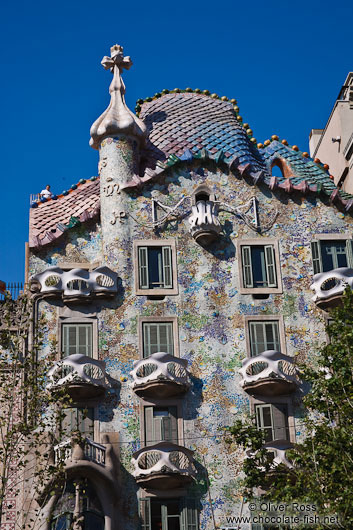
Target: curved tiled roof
<point>182,122</point>
<point>183,126</point>
<point>50,219</point>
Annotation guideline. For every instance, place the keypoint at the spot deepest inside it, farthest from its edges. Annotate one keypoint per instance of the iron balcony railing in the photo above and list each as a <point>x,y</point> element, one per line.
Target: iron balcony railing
<point>12,290</point>
<point>93,451</point>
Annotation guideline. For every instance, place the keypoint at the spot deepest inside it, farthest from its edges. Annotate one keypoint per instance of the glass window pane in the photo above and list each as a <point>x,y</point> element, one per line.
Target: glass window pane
<point>258,266</point>
<point>155,269</point>
<point>334,254</point>
<point>266,415</point>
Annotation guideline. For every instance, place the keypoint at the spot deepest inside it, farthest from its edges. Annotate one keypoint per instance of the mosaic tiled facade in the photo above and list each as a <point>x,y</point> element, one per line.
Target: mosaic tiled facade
<point>195,144</point>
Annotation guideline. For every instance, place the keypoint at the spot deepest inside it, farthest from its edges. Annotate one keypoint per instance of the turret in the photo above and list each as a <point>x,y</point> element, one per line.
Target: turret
<point>118,135</point>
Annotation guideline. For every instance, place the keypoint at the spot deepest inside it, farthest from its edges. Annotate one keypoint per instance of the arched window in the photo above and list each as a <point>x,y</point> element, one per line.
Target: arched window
<point>202,196</point>
<point>78,502</point>
<point>203,193</point>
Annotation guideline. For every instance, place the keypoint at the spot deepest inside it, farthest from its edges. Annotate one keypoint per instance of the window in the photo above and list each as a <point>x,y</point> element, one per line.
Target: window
<point>273,420</point>
<point>78,494</point>
<point>331,254</point>
<point>263,335</point>
<point>161,425</point>
<point>155,273</point>
<point>157,337</point>
<point>78,419</point>
<point>169,514</point>
<point>76,338</point>
<point>259,267</point>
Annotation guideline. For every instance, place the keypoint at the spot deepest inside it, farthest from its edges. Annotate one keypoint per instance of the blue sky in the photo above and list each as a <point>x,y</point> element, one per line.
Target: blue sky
<point>283,62</point>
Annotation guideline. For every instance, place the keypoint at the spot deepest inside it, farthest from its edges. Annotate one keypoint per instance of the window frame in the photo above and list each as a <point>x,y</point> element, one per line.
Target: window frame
<point>89,404</point>
<point>77,320</point>
<point>272,400</point>
<point>265,318</point>
<point>162,403</point>
<point>173,320</point>
<point>317,238</point>
<point>156,243</point>
<point>170,416</point>
<point>262,242</point>
<point>186,503</point>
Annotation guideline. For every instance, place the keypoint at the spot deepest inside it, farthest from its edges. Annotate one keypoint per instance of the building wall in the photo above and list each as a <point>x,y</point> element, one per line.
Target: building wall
<point>211,314</point>
<point>338,155</point>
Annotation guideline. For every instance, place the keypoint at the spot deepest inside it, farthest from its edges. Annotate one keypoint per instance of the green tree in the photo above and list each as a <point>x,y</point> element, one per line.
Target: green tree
<point>28,415</point>
<point>323,463</point>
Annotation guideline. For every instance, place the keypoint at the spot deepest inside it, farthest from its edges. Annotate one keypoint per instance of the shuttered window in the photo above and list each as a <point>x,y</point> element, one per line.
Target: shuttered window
<point>161,425</point>
<point>78,419</point>
<point>157,337</point>
<point>168,514</point>
<point>259,266</point>
<point>76,338</point>
<point>264,336</point>
<point>273,420</point>
<point>328,255</point>
<point>155,267</point>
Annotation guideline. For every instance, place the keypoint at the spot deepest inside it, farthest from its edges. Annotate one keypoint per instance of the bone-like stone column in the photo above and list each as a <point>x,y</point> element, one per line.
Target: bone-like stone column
<point>118,134</point>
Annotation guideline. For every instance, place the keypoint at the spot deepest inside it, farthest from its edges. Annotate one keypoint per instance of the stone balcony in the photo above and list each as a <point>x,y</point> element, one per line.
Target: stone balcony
<point>163,466</point>
<point>329,286</point>
<point>279,449</point>
<point>87,450</point>
<point>161,375</point>
<point>270,374</point>
<point>76,284</point>
<point>80,376</point>
<point>204,223</point>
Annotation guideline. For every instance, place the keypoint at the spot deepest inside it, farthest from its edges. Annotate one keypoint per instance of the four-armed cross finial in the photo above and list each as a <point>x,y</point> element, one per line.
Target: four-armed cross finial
<point>117,119</point>
<point>117,59</point>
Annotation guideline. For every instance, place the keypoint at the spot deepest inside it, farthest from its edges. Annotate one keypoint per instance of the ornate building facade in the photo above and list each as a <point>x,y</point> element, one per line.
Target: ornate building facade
<point>181,285</point>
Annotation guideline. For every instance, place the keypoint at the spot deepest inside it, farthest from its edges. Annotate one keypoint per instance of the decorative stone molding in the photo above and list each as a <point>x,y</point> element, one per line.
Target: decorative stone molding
<point>117,119</point>
<point>329,286</point>
<point>271,373</point>
<point>161,375</point>
<point>164,465</point>
<point>88,450</point>
<point>204,223</point>
<point>76,283</point>
<point>82,376</point>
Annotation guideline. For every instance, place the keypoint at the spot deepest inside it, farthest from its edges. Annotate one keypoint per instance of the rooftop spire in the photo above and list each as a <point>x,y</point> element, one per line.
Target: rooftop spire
<point>117,118</point>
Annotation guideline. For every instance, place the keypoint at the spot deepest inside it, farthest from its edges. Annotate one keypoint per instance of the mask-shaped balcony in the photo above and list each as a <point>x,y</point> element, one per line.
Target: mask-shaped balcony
<point>204,223</point>
<point>163,466</point>
<point>161,375</point>
<point>270,374</point>
<point>80,376</point>
<point>76,284</point>
<point>86,450</point>
<point>329,286</point>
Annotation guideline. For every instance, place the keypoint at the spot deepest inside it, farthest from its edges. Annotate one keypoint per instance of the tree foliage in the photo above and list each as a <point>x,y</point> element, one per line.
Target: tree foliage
<point>323,462</point>
<point>28,415</point>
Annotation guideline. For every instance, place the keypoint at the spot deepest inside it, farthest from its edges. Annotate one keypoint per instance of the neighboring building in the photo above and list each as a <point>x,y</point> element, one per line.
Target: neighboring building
<point>333,145</point>
<point>178,286</point>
